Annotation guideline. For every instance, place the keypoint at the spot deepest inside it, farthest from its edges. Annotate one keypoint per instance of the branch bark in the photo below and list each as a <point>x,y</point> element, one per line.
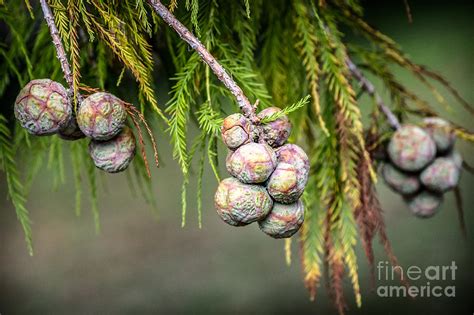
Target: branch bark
<point>60,51</point>
<point>242,100</point>
<point>370,89</point>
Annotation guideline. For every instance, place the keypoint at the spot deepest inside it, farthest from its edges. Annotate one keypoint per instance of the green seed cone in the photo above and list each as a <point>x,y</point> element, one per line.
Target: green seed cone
<point>240,204</point>
<point>284,220</point>
<point>101,116</point>
<point>42,107</point>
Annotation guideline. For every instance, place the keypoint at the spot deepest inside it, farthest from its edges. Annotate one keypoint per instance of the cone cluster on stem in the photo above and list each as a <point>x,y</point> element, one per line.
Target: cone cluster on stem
<point>268,176</point>
<point>423,164</point>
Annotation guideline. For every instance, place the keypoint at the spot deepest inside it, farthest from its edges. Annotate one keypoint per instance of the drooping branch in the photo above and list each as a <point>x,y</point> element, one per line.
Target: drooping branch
<point>60,51</point>
<point>243,102</point>
<point>370,89</point>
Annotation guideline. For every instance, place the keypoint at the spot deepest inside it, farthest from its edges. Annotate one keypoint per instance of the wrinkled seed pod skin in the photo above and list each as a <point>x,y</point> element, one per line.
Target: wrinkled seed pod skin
<point>101,116</point>
<point>241,204</point>
<point>425,204</point>
<point>71,131</point>
<point>43,107</point>
<point>252,163</point>
<point>236,130</point>
<point>284,220</point>
<point>114,155</point>
<point>441,175</point>
<point>293,154</point>
<point>411,148</point>
<point>276,132</point>
<point>439,131</point>
<point>286,184</point>
<point>400,181</point>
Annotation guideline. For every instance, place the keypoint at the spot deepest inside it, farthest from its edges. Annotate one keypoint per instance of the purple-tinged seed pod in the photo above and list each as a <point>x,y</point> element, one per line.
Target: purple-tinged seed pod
<point>425,204</point>
<point>399,181</point>
<point>286,184</point>
<point>114,155</point>
<point>295,155</point>
<point>43,107</point>
<point>252,163</point>
<point>241,204</point>
<point>284,220</point>
<point>101,116</point>
<point>441,133</point>
<point>411,148</point>
<point>276,132</point>
<point>236,130</point>
<point>441,175</point>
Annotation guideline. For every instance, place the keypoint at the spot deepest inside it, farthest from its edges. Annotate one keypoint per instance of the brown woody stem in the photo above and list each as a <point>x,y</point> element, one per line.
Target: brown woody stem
<point>60,51</point>
<point>370,89</point>
<point>243,102</point>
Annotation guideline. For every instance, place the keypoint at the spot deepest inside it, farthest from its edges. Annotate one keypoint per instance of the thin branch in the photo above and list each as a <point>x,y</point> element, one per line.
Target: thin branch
<point>370,89</point>
<point>460,208</point>
<point>243,102</point>
<point>60,51</point>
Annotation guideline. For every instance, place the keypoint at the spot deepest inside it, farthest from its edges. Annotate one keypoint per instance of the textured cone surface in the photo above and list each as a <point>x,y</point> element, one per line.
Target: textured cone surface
<point>400,181</point>
<point>114,155</point>
<point>411,148</point>
<point>240,204</point>
<point>286,185</point>
<point>71,130</point>
<point>439,130</point>
<point>293,154</point>
<point>252,163</point>
<point>425,204</point>
<point>276,132</point>
<point>284,220</point>
<point>43,107</point>
<point>236,130</point>
<point>101,116</point>
<point>441,175</point>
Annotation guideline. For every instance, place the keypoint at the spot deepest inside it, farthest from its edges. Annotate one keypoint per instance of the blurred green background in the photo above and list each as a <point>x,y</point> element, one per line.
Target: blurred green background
<point>142,265</point>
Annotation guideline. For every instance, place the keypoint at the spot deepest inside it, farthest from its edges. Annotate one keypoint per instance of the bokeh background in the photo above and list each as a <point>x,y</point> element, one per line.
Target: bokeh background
<point>140,264</point>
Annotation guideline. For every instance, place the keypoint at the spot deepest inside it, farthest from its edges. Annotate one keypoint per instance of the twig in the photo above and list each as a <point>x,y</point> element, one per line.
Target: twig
<point>408,11</point>
<point>60,51</point>
<point>460,208</point>
<point>370,89</point>
<point>243,102</point>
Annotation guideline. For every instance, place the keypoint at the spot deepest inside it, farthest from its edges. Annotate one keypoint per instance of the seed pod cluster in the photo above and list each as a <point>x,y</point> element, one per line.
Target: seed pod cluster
<point>422,165</point>
<point>43,107</point>
<point>268,178</point>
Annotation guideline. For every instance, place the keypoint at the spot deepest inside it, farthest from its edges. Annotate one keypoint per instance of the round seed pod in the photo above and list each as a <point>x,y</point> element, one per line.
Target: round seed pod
<point>439,130</point>
<point>101,116</point>
<point>425,204</point>
<point>399,181</point>
<point>295,155</point>
<point>71,130</point>
<point>456,157</point>
<point>114,155</point>
<point>284,220</point>
<point>43,107</point>
<point>241,204</point>
<point>276,132</point>
<point>236,130</point>
<point>411,148</point>
<point>252,163</point>
<point>286,184</point>
<point>441,175</point>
